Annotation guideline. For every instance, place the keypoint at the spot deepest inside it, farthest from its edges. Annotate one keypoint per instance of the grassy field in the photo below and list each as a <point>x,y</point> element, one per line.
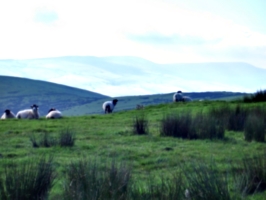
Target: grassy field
<point>110,137</point>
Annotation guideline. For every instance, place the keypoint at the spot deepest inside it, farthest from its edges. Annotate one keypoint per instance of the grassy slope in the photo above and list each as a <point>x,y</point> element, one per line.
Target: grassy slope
<point>130,102</point>
<point>109,137</point>
<point>20,93</point>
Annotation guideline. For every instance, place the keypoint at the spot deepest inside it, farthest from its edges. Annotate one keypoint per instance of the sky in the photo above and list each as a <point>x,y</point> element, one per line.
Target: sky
<point>162,31</point>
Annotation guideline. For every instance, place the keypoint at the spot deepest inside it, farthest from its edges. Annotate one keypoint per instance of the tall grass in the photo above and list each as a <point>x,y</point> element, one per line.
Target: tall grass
<point>67,138</point>
<point>250,175</point>
<point>28,180</point>
<point>87,179</point>
<point>163,188</point>
<point>206,182</point>
<point>176,125</point>
<point>205,126</point>
<point>255,128</point>
<point>187,126</point>
<point>140,125</point>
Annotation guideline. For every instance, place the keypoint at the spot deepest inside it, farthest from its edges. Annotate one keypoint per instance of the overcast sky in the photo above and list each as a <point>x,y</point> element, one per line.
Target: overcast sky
<point>162,31</point>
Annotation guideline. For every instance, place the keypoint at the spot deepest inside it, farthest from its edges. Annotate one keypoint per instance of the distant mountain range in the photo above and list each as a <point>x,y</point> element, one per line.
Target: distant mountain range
<point>126,76</point>
<point>21,93</point>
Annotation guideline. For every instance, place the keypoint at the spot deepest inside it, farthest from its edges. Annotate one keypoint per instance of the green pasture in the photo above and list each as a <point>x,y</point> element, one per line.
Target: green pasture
<point>109,137</point>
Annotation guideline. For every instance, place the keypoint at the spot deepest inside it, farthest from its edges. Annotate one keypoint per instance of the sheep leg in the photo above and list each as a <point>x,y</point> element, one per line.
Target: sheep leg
<point>108,109</point>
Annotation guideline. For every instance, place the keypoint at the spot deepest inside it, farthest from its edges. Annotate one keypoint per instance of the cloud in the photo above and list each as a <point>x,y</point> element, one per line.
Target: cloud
<point>176,39</point>
<point>45,16</point>
<point>162,31</point>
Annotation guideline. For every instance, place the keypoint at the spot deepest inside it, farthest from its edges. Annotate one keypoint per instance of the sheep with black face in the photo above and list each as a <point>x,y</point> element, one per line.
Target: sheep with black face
<point>8,114</point>
<point>109,106</point>
<point>32,113</point>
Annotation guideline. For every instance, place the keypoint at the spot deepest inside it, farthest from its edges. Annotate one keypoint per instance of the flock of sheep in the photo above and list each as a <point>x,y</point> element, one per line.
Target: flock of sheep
<point>53,113</point>
<point>32,113</point>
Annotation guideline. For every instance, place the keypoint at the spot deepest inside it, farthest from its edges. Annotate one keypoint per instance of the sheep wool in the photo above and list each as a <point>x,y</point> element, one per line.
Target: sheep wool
<point>53,114</point>
<point>29,113</point>
<point>8,114</point>
<point>109,106</point>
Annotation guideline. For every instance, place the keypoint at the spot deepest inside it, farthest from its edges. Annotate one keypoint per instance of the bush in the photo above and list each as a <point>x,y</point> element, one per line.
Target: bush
<point>86,179</point>
<point>251,175</point>
<point>140,125</point>
<point>30,180</point>
<point>176,125</point>
<point>259,96</point>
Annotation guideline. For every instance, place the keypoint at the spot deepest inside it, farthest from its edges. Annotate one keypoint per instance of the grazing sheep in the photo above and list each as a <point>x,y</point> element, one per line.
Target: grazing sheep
<point>8,114</point>
<point>53,114</point>
<point>29,113</point>
<point>178,96</point>
<point>109,106</point>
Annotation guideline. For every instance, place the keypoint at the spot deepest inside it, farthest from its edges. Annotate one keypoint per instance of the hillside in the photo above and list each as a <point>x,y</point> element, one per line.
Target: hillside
<point>131,76</point>
<point>20,93</point>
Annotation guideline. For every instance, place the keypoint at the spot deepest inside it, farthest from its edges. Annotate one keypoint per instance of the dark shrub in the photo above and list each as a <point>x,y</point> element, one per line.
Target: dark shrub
<point>30,180</point>
<point>221,113</point>
<point>237,118</point>
<point>254,128</point>
<point>205,126</point>
<point>140,125</point>
<point>67,138</point>
<point>250,176</point>
<point>176,125</point>
<point>45,141</point>
<point>259,96</point>
<point>86,179</point>
<point>206,182</point>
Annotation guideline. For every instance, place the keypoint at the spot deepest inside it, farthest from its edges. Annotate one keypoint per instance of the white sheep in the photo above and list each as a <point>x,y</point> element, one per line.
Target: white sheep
<point>29,113</point>
<point>8,114</point>
<point>53,114</point>
<point>109,106</point>
<point>186,99</point>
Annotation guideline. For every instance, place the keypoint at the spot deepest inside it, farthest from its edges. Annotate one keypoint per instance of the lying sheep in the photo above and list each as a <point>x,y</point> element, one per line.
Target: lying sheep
<point>53,114</point>
<point>186,99</point>
<point>109,106</point>
<point>8,114</point>
<point>29,113</point>
<point>178,96</point>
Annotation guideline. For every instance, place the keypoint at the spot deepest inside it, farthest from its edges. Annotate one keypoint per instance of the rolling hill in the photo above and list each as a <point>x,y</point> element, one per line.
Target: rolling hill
<point>20,93</point>
<point>127,76</point>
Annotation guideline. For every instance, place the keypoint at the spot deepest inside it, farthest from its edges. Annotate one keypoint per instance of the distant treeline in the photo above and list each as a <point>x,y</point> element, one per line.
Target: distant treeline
<point>259,96</point>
